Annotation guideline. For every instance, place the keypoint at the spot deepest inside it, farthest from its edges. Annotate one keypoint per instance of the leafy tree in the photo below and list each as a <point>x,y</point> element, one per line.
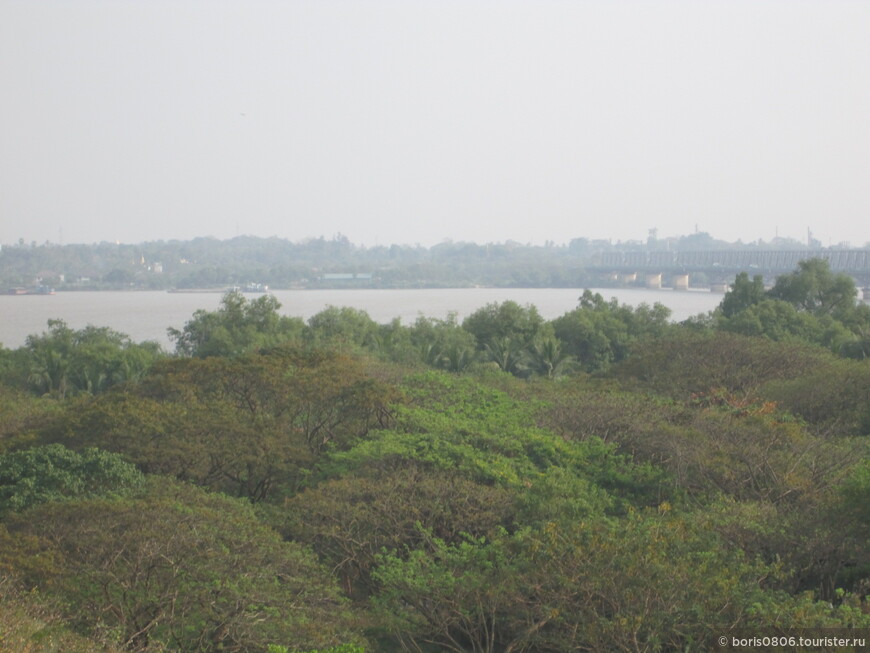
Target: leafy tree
<point>25,561</point>
<point>21,416</point>
<point>779,320</point>
<point>350,520</point>
<point>469,587</point>
<point>66,361</point>
<point>342,327</point>
<point>645,582</point>
<point>859,347</point>
<point>747,451</point>
<point>53,472</point>
<point>393,342</point>
<point>685,362</point>
<point>455,424</point>
<point>817,542</point>
<point>598,333</point>
<point>14,368</point>
<point>746,448</point>
<point>494,323</point>
<point>811,304</point>
<point>833,397</point>
<point>31,624</point>
<point>578,412</point>
<point>252,425</point>
<point>591,338</point>
<point>742,294</point>
<point>237,327</point>
<point>187,570</point>
<point>814,288</point>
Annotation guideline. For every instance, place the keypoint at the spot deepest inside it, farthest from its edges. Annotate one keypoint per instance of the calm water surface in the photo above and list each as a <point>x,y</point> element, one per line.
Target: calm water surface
<point>147,315</point>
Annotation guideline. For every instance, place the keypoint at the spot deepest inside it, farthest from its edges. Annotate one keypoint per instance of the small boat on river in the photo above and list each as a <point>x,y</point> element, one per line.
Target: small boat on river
<point>39,290</point>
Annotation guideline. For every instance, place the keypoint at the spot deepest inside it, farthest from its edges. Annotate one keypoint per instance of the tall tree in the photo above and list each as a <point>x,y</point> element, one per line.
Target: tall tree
<point>495,322</point>
<point>814,288</point>
<point>237,327</point>
<point>742,294</point>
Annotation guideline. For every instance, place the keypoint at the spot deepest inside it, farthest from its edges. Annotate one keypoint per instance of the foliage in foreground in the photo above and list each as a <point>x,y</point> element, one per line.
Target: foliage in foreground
<point>184,569</point>
<point>603,481</point>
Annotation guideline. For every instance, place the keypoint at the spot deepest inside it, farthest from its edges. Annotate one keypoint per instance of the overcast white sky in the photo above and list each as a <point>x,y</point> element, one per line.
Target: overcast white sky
<point>414,121</point>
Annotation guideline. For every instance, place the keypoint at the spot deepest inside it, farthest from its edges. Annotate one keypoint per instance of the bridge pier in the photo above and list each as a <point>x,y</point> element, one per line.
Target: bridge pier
<point>719,287</point>
<point>681,282</point>
<point>711,266</point>
<point>654,280</point>
<point>628,277</point>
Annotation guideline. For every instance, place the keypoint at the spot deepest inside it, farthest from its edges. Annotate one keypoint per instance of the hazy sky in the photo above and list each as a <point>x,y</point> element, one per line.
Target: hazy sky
<point>418,121</point>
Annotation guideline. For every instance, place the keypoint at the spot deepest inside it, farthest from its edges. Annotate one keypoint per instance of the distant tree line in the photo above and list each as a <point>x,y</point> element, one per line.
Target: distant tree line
<point>212,263</point>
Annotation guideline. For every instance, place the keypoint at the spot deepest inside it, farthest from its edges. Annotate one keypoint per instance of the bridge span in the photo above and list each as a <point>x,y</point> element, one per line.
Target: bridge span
<point>717,268</point>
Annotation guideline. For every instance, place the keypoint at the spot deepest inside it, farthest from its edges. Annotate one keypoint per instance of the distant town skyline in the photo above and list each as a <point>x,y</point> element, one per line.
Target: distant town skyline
<point>809,241</point>
<point>415,123</point>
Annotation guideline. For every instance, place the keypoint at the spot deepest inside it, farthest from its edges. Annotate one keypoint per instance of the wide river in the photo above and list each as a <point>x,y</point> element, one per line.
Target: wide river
<point>146,315</point>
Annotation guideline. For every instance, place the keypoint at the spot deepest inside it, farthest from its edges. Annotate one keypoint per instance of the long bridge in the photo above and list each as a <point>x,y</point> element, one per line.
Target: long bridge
<point>717,268</point>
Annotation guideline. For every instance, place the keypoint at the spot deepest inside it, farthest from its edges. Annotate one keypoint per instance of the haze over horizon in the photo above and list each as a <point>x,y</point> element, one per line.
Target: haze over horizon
<point>412,123</point>
<point>492,241</point>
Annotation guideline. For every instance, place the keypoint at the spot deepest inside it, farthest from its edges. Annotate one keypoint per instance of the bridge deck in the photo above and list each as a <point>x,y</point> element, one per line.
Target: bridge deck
<point>848,261</point>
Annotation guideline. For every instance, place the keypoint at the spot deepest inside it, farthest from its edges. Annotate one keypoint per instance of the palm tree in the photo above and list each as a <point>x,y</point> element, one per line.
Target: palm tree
<point>506,354</point>
<point>49,371</point>
<point>457,357</point>
<point>546,358</point>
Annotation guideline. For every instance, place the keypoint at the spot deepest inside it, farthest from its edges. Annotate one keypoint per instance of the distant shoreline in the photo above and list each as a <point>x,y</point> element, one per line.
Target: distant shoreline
<point>207,291</point>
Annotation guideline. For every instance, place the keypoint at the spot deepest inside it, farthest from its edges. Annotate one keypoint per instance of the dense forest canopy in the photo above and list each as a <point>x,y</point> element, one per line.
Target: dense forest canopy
<point>607,480</point>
